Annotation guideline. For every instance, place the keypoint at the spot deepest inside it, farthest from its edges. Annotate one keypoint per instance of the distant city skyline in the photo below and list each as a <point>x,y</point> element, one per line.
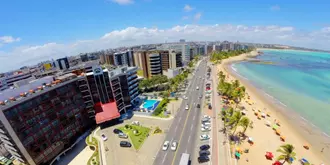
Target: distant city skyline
<point>41,32</point>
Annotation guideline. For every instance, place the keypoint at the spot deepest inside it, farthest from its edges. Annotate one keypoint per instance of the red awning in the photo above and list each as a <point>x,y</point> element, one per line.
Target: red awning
<point>106,112</point>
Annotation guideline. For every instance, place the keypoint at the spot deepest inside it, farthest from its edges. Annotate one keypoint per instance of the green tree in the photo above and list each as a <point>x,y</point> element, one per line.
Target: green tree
<point>245,123</point>
<point>234,120</point>
<point>287,152</point>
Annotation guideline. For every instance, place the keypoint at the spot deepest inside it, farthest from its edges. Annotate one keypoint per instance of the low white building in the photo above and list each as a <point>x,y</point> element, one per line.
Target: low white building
<point>170,73</point>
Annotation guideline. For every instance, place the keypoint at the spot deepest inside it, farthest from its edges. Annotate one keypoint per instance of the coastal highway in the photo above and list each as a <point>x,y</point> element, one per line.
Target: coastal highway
<point>186,123</point>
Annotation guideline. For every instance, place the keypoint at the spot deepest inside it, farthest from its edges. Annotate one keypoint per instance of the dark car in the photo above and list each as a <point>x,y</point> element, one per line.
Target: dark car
<point>125,144</point>
<point>203,159</point>
<point>210,106</point>
<point>117,131</point>
<point>198,105</point>
<point>204,147</point>
<point>204,153</point>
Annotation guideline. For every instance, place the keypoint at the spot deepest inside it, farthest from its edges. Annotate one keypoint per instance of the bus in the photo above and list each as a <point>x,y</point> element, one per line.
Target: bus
<point>185,159</point>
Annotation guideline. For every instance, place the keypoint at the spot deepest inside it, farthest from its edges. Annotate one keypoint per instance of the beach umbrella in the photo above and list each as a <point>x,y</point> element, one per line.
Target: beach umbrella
<point>263,115</point>
<point>244,112</point>
<point>269,155</point>
<point>306,146</point>
<point>278,132</point>
<point>275,126</point>
<point>267,122</point>
<point>277,163</point>
<point>250,139</point>
<point>237,155</point>
<point>282,138</point>
<point>268,114</point>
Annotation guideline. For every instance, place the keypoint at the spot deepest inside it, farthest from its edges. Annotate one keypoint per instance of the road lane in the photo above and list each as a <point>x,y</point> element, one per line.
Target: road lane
<point>166,157</point>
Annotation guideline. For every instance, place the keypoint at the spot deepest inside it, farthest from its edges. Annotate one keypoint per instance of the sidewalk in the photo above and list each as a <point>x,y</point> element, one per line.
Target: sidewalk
<point>223,148</point>
<point>101,147</point>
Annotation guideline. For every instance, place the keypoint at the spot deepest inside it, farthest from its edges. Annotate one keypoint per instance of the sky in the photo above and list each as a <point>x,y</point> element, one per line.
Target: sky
<point>38,30</point>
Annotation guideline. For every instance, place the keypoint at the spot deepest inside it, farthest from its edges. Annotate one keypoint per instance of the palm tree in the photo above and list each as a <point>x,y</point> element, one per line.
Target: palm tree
<point>244,122</point>
<point>235,120</point>
<point>287,153</point>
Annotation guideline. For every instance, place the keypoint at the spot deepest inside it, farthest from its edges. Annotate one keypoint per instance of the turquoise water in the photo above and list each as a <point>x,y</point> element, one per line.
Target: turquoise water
<point>149,104</point>
<point>298,80</point>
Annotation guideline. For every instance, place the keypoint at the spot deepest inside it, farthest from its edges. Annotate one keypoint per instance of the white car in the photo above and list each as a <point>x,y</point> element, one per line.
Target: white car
<point>205,137</point>
<point>165,145</point>
<point>174,146</point>
<point>136,123</point>
<point>185,97</point>
<point>206,116</point>
<point>197,88</point>
<point>205,129</point>
<point>187,107</point>
<point>104,138</point>
<point>206,124</point>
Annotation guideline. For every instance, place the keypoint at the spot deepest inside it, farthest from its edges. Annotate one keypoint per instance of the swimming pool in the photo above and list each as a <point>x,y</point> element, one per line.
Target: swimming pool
<point>150,104</point>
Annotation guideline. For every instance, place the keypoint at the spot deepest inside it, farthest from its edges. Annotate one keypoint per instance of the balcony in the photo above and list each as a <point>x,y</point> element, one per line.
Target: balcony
<point>132,86</point>
<point>156,72</point>
<point>132,82</point>
<point>134,94</point>
<point>134,76</point>
<point>132,91</point>
<point>115,82</point>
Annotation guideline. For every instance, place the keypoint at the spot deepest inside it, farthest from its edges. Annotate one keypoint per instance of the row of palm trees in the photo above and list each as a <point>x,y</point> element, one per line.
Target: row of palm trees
<point>233,118</point>
<point>218,56</point>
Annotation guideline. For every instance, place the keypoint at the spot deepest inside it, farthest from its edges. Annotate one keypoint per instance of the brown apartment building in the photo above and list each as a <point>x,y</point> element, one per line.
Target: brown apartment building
<point>150,62</point>
<point>165,59</point>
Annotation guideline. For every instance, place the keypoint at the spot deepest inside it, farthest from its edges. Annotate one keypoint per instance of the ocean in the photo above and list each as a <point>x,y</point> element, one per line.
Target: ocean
<point>298,80</point>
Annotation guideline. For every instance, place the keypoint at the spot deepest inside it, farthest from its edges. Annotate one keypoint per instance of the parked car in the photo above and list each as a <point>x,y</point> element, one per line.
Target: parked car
<point>174,146</point>
<point>204,153</point>
<point>206,124</point>
<point>104,138</point>
<point>125,144</point>
<point>210,106</point>
<point>206,116</point>
<point>200,96</point>
<point>198,106</point>
<point>205,129</point>
<point>135,123</point>
<point>204,147</point>
<point>205,137</point>
<point>203,159</point>
<point>117,131</point>
<point>165,145</point>
<point>205,120</point>
<point>122,135</point>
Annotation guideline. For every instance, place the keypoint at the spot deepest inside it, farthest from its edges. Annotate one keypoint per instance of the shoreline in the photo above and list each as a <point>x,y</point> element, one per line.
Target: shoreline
<point>299,128</point>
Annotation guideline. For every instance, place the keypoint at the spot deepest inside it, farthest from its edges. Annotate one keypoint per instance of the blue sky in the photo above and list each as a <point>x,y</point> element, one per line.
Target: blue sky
<point>40,29</point>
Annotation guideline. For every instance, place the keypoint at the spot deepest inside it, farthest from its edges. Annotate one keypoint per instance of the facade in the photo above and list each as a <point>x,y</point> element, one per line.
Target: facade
<point>164,54</point>
<point>9,79</point>
<point>107,59</point>
<point>84,57</point>
<point>62,63</point>
<point>186,54</point>
<point>225,46</point>
<point>3,83</point>
<point>124,58</point>
<point>175,59</point>
<point>43,120</point>
<point>150,62</point>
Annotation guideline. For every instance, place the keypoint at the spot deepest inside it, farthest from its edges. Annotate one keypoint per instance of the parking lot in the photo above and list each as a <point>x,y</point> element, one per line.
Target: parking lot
<point>129,156</point>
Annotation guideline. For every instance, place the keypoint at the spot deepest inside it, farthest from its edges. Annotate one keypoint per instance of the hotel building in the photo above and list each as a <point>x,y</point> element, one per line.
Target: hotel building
<point>41,119</point>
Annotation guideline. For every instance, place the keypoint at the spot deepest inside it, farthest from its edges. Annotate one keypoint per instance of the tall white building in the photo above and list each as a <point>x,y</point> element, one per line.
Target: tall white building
<point>185,54</point>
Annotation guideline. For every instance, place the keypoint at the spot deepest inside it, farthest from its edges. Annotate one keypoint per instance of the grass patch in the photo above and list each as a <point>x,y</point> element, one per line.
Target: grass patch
<point>94,159</point>
<point>138,138</point>
<point>139,72</point>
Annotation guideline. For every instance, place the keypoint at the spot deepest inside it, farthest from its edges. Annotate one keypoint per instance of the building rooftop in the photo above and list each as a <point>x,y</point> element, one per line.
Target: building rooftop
<point>12,97</point>
<point>106,112</point>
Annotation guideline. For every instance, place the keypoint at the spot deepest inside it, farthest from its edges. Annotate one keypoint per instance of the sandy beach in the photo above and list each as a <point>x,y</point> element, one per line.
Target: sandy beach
<point>296,131</point>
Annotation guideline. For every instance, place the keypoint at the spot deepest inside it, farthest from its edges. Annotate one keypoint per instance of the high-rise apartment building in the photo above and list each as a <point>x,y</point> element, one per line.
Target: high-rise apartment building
<point>150,62</point>
<point>124,58</point>
<point>62,63</point>
<point>43,118</point>
<point>164,54</point>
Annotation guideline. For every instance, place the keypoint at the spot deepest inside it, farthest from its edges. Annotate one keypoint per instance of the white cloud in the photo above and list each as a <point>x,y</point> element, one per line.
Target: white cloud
<point>198,16</point>
<point>124,2</point>
<point>8,39</point>
<point>275,8</point>
<point>185,17</point>
<point>27,55</point>
<point>187,8</point>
